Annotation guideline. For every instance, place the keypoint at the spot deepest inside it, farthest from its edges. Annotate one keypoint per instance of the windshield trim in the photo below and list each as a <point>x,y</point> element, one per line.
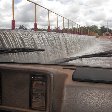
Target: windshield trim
<point>67,64</point>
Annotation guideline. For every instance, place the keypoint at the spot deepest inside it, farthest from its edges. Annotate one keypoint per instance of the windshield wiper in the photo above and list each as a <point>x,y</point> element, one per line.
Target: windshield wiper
<point>100,54</point>
<point>17,50</point>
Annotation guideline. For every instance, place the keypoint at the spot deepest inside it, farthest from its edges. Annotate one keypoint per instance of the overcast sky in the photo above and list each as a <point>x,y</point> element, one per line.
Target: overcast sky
<point>84,12</point>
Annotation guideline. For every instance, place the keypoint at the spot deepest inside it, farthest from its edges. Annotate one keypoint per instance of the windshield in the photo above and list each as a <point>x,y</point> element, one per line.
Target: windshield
<point>42,47</point>
<point>54,38</point>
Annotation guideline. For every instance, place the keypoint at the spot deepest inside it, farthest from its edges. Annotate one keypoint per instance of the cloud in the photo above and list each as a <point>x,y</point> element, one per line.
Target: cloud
<point>17,1</point>
<point>99,17</point>
<point>84,12</point>
<point>96,2</point>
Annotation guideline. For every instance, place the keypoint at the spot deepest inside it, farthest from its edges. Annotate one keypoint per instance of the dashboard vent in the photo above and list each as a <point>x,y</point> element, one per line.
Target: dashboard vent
<point>38,92</point>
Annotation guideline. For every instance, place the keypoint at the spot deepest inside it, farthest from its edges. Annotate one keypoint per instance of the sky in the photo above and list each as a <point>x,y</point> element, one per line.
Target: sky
<point>83,12</point>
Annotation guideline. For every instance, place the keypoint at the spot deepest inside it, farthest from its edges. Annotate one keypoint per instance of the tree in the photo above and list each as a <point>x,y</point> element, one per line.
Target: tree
<point>103,29</point>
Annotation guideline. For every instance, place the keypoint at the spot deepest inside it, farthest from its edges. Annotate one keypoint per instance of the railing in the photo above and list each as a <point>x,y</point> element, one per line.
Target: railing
<point>76,28</point>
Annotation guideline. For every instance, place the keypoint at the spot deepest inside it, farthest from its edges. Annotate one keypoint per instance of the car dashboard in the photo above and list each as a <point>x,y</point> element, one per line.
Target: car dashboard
<point>51,88</point>
<point>29,87</point>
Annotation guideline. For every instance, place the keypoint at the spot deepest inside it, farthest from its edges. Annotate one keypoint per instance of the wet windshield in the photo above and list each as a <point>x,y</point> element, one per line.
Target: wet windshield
<point>42,47</point>
<point>54,38</point>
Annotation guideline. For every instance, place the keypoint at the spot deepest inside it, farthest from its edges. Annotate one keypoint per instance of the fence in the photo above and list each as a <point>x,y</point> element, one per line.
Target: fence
<point>76,28</point>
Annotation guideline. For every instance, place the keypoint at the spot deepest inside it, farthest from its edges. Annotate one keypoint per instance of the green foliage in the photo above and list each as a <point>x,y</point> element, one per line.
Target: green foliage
<point>100,30</point>
<point>84,30</point>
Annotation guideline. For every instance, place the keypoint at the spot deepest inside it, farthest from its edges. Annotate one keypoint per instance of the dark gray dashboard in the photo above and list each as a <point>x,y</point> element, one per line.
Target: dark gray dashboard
<point>91,74</point>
